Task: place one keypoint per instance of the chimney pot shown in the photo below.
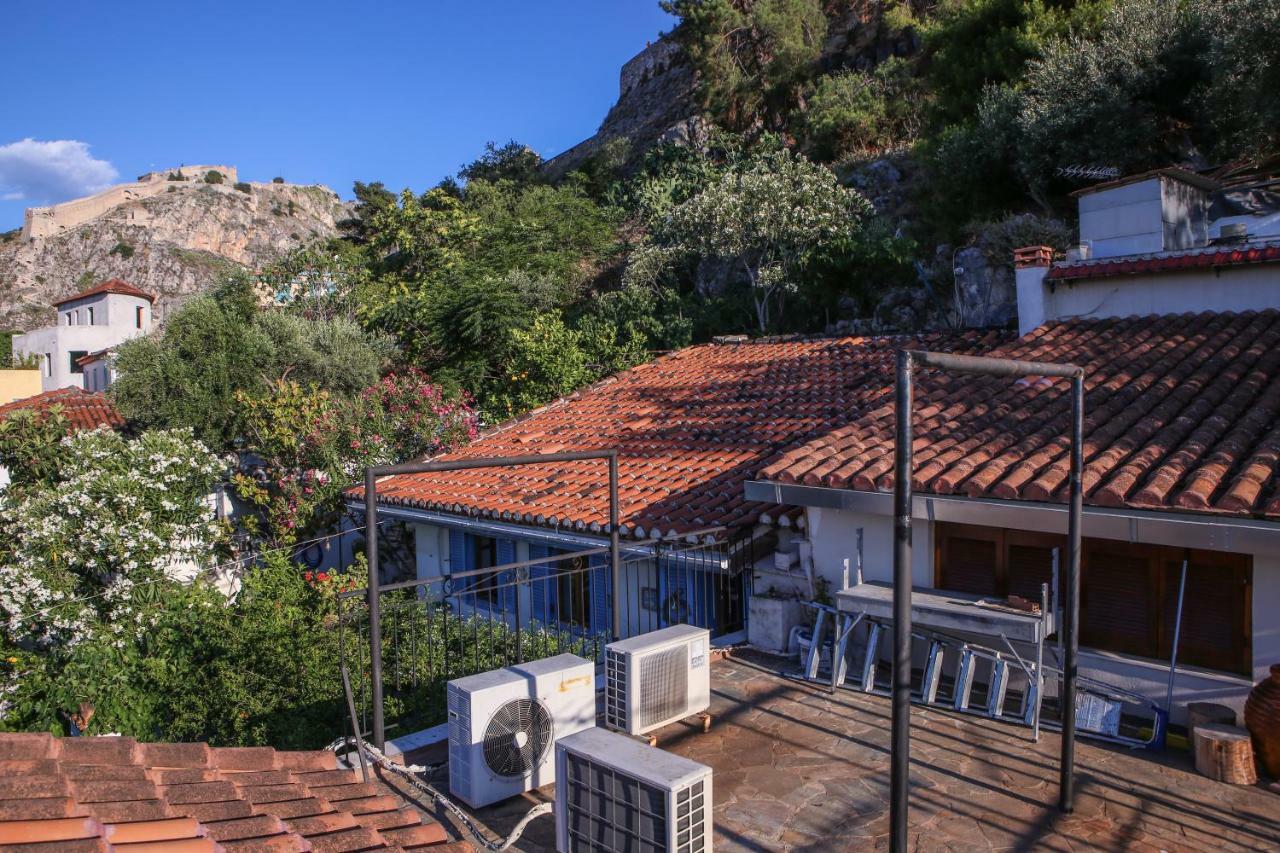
(1032, 256)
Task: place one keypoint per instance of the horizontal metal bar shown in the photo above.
(634, 548)
(490, 462)
(1182, 530)
(993, 366)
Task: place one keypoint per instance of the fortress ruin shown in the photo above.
(49, 221)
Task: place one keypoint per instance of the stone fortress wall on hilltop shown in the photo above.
(47, 221)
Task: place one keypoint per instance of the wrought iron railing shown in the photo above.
(444, 627)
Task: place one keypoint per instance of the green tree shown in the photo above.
(513, 162)
(765, 220)
(863, 112)
(187, 375)
(972, 44)
(752, 57)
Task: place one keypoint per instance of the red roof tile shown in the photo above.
(1212, 256)
(690, 428)
(1182, 413)
(83, 409)
(90, 793)
(113, 285)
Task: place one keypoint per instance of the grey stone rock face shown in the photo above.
(175, 244)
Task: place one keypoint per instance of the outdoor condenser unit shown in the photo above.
(503, 724)
(657, 678)
(614, 793)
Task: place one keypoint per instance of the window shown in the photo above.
(485, 586)
(573, 592)
(90, 313)
(137, 317)
(73, 359)
(1128, 591)
(70, 318)
(48, 364)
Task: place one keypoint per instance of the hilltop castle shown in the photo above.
(48, 221)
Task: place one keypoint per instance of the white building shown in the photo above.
(89, 322)
(1172, 312)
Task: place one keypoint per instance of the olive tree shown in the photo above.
(767, 218)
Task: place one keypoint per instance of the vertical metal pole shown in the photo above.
(519, 592)
(355, 724)
(1066, 792)
(900, 737)
(614, 549)
(1177, 634)
(375, 624)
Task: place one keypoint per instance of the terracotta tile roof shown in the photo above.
(108, 793)
(1187, 259)
(690, 427)
(1181, 413)
(86, 360)
(113, 285)
(83, 409)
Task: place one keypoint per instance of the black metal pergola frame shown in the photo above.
(375, 587)
(900, 738)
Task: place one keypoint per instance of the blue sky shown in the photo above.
(318, 91)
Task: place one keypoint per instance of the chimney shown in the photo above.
(1030, 266)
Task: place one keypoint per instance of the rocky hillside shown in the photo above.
(174, 244)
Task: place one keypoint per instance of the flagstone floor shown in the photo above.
(798, 769)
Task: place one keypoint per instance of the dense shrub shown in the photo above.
(213, 176)
(241, 186)
(861, 113)
(187, 375)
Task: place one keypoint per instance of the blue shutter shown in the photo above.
(675, 600)
(460, 558)
(540, 586)
(601, 595)
(506, 553)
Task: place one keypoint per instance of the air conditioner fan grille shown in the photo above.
(517, 738)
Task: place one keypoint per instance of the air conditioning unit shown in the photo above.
(657, 678)
(614, 793)
(503, 724)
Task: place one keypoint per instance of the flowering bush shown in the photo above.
(310, 445)
(117, 514)
(89, 561)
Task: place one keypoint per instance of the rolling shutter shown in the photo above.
(970, 563)
(1028, 564)
(1215, 613)
(1117, 592)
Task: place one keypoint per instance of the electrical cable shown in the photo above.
(411, 773)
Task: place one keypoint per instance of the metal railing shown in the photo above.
(439, 628)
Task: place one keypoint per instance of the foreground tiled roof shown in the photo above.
(690, 427)
(103, 793)
(1187, 259)
(82, 409)
(1181, 413)
(113, 285)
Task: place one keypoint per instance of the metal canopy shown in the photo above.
(371, 476)
(900, 739)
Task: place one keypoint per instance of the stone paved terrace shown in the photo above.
(797, 769)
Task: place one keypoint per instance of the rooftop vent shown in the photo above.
(1233, 232)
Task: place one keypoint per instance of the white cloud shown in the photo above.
(46, 172)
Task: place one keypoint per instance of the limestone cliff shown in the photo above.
(174, 244)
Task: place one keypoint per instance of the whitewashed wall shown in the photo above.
(834, 536)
